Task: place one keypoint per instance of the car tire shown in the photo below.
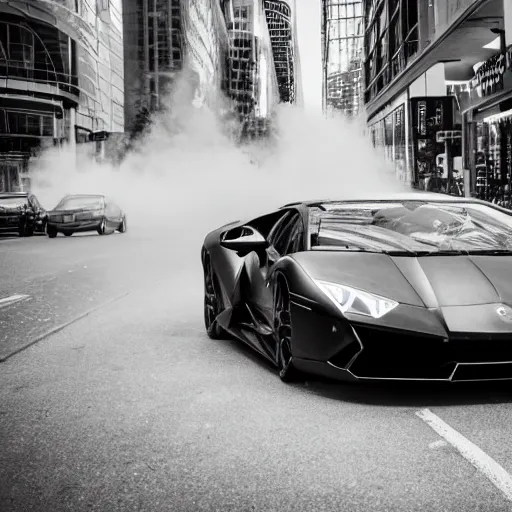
(69, 233)
(52, 233)
(122, 227)
(213, 303)
(283, 333)
(102, 228)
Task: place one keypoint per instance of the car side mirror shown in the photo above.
(243, 239)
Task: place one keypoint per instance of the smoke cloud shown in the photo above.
(187, 176)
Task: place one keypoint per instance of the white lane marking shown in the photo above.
(472, 453)
(8, 301)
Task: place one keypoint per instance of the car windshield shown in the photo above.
(412, 227)
(71, 203)
(12, 202)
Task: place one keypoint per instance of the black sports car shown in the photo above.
(85, 212)
(21, 213)
(416, 286)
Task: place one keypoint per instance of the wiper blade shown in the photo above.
(466, 252)
(490, 251)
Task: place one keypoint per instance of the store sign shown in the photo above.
(490, 75)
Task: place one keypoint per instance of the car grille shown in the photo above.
(485, 371)
(401, 355)
(10, 220)
(395, 354)
(480, 350)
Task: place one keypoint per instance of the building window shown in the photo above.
(391, 41)
(29, 124)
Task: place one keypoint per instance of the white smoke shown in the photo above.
(188, 176)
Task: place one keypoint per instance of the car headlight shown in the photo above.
(352, 300)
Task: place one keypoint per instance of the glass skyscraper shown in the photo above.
(343, 55)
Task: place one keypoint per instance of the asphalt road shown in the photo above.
(132, 408)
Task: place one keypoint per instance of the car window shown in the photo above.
(278, 228)
(284, 233)
(267, 223)
(71, 202)
(296, 238)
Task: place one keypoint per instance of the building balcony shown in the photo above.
(14, 75)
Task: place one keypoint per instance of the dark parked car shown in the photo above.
(21, 212)
(85, 212)
(415, 286)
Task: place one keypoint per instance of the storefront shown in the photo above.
(389, 132)
(488, 130)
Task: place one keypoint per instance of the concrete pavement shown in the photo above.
(133, 408)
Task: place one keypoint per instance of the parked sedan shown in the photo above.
(85, 212)
(21, 212)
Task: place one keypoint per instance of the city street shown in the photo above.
(124, 403)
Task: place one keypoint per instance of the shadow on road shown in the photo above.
(386, 393)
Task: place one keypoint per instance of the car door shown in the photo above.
(260, 296)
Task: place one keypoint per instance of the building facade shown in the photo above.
(343, 55)
(61, 79)
(438, 93)
(247, 49)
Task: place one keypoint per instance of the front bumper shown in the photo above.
(9, 223)
(77, 226)
(346, 350)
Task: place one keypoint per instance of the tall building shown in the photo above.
(438, 92)
(153, 52)
(245, 48)
(343, 55)
(61, 78)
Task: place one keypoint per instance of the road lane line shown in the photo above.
(472, 453)
(13, 299)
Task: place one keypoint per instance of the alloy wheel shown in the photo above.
(212, 303)
(283, 333)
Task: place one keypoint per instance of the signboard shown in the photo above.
(490, 75)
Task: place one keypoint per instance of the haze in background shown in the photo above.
(187, 177)
(309, 19)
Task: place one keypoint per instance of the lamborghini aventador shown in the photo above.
(415, 286)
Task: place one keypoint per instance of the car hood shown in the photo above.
(431, 281)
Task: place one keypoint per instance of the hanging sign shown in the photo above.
(490, 75)
(509, 58)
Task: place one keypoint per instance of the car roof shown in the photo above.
(404, 196)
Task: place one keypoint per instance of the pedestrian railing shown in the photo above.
(63, 81)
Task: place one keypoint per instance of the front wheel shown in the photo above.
(102, 228)
(212, 301)
(122, 227)
(52, 233)
(283, 333)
